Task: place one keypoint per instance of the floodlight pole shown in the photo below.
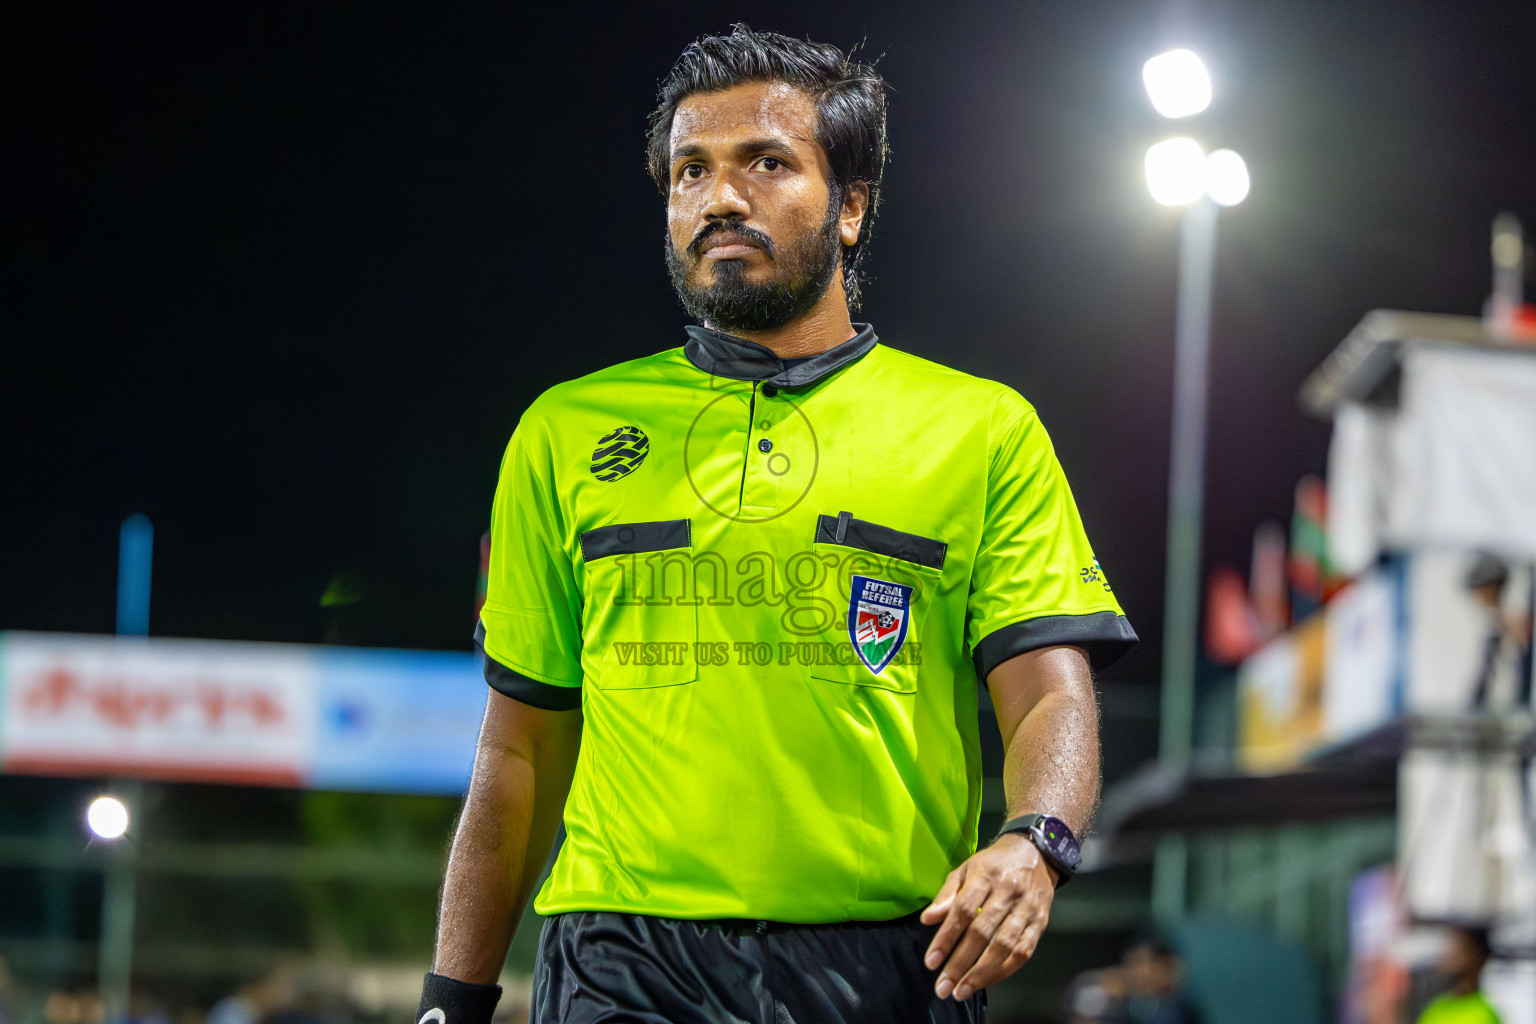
(118, 905)
(1186, 484)
(114, 959)
(1186, 481)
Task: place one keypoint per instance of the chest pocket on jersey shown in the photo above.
(879, 584)
(640, 614)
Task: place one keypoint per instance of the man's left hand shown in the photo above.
(993, 908)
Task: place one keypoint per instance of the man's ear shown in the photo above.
(855, 206)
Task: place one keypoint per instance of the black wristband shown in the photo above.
(447, 1001)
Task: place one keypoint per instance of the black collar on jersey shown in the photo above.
(725, 355)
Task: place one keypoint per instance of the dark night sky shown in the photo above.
(284, 277)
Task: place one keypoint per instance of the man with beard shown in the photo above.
(741, 595)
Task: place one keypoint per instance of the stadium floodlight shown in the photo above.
(107, 817)
(1178, 83)
(1226, 177)
(1176, 171)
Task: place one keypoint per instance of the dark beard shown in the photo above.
(734, 304)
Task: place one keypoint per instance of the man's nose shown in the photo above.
(727, 197)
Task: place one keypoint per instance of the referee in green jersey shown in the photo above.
(741, 595)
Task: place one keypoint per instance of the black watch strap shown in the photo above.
(446, 1000)
(1051, 836)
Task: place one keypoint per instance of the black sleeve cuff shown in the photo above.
(446, 1000)
(511, 683)
(1104, 635)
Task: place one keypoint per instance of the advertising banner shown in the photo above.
(246, 713)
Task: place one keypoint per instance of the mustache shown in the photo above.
(735, 227)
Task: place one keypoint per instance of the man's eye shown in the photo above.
(693, 171)
(771, 164)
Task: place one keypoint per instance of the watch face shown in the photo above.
(1058, 838)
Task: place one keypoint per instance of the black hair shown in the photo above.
(1488, 570)
(1478, 938)
(1154, 941)
(850, 108)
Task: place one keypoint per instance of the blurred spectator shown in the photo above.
(1095, 997)
(144, 1009)
(83, 1007)
(249, 1004)
(1465, 955)
(1509, 634)
(1146, 988)
(322, 998)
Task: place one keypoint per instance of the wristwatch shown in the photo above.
(1052, 838)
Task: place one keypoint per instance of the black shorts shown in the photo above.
(612, 968)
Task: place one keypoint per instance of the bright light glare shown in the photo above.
(1226, 177)
(1176, 171)
(1178, 83)
(108, 817)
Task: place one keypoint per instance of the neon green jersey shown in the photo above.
(771, 592)
(1454, 1009)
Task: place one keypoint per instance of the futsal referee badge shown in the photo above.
(878, 613)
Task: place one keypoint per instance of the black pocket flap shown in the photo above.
(882, 540)
(635, 538)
